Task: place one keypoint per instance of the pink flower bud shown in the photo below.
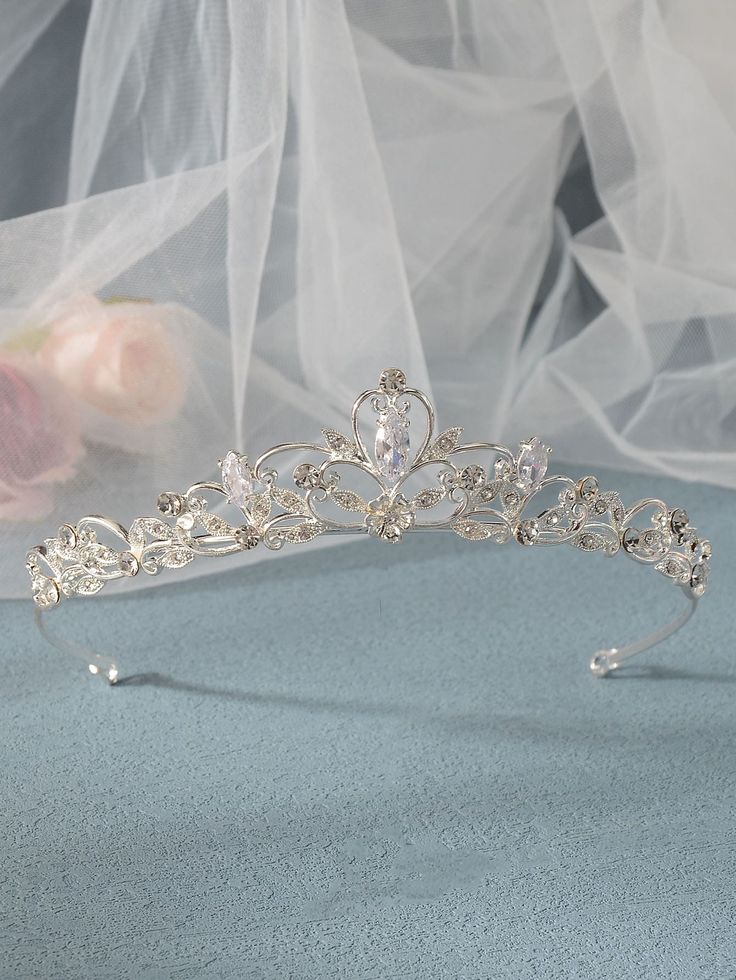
(39, 438)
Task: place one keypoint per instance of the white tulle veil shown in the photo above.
(529, 206)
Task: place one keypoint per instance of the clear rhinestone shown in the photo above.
(195, 505)
(472, 477)
(392, 445)
(237, 478)
(307, 476)
(45, 592)
(699, 577)
(393, 381)
(588, 487)
(527, 532)
(688, 535)
(93, 564)
(532, 464)
(631, 540)
(128, 563)
(487, 493)
(169, 504)
(247, 537)
(67, 536)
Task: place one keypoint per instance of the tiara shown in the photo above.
(452, 491)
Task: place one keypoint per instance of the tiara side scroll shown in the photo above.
(456, 492)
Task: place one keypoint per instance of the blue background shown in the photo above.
(378, 762)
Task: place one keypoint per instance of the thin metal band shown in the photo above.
(601, 664)
(604, 661)
(97, 663)
(498, 502)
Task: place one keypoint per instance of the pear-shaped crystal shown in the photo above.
(237, 478)
(532, 464)
(392, 445)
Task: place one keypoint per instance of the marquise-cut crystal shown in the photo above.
(392, 445)
(532, 464)
(237, 479)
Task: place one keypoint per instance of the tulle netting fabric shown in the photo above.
(527, 206)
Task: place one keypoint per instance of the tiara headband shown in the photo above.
(452, 492)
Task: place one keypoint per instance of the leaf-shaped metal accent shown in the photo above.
(54, 555)
(76, 580)
(472, 530)
(97, 558)
(175, 557)
(674, 565)
(486, 493)
(300, 533)
(60, 550)
(289, 501)
(589, 541)
(215, 525)
(350, 501)
(510, 499)
(553, 518)
(100, 554)
(148, 525)
(646, 542)
(443, 444)
(339, 444)
(610, 501)
(259, 508)
(428, 497)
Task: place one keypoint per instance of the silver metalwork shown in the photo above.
(496, 502)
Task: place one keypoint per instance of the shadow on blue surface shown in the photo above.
(371, 765)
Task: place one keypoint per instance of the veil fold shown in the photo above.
(528, 207)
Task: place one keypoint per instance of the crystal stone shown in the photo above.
(472, 477)
(237, 478)
(67, 536)
(128, 563)
(392, 445)
(169, 504)
(699, 575)
(393, 381)
(45, 592)
(532, 464)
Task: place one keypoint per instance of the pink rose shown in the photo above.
(39, 438)
(118, 357)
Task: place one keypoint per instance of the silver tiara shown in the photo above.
(436, 483)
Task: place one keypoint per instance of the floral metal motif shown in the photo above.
(488, 493)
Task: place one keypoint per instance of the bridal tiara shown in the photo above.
(453, 491)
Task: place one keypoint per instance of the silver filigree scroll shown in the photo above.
(422, 481)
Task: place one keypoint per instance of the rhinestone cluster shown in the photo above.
(495, 502)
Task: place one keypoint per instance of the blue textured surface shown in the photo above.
(374, 764)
